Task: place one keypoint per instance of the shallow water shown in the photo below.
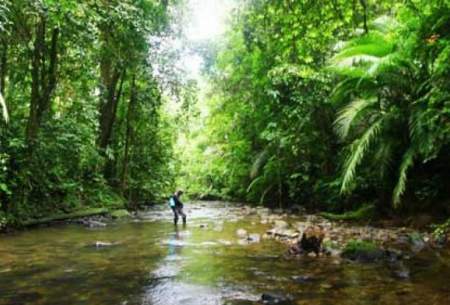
(156, 263)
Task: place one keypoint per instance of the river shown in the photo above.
(150, 261)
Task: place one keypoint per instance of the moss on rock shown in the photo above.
(117, 214)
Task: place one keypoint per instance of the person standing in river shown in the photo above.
(177, 206)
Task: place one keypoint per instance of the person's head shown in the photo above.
(178, 193)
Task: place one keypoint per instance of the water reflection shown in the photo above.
(168, 287)
(175, 244)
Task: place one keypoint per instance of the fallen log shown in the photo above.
(66, 216)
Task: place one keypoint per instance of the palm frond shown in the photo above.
(346, 116)
(358, 151)
(254, 182)
(384, 24)
(383, 155)
(407, 162)
(344, 90)
(373, 45)
(259, 163)
(365, 56)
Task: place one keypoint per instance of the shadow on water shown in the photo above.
(152, 262)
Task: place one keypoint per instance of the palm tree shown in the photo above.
(383, 91)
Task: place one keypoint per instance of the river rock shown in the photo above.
(311, 241)
(118, 214)
(103, 244)
(416, 241)
(262, 211)
(276, 298)
(94, 224)
(277, 211)
(297, 209)
(225, 242)
(283, 233)
(254, 238)
(242, 233)
(281, 224)
(366, 252)
(402, 274)
(274, 217)
(364, 256)
(303, 279)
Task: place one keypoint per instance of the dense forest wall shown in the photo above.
(331, 104)
(82, 124)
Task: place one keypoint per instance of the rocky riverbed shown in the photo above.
(227, 254)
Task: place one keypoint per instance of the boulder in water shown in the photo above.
(416, 241)
(118, 214)
(362, 251)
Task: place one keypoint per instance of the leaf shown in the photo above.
(348, 115)
(407, 162)
(359, 149)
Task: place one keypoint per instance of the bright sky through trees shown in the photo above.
(207, 21)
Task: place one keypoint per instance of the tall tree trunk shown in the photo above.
(33, 121)
(128, 134)
(43, 81)
(108, 109)
(3, 66)
(364, 5)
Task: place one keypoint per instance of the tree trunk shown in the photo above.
(128, 134)
(109, 108)
(43, 81)
(3, 67)
(364, 5)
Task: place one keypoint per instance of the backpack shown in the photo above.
(172, 202)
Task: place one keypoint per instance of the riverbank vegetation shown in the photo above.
(331, 104)
(82, 123)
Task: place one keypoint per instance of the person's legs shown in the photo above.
(175, 215)
(180, 212)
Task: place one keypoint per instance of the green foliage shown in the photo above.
(442, 230)
(355, 247)
(385, 111)
(365, 212)
(55, 59)
(325, 113)
(120, 214)
(310, 102)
